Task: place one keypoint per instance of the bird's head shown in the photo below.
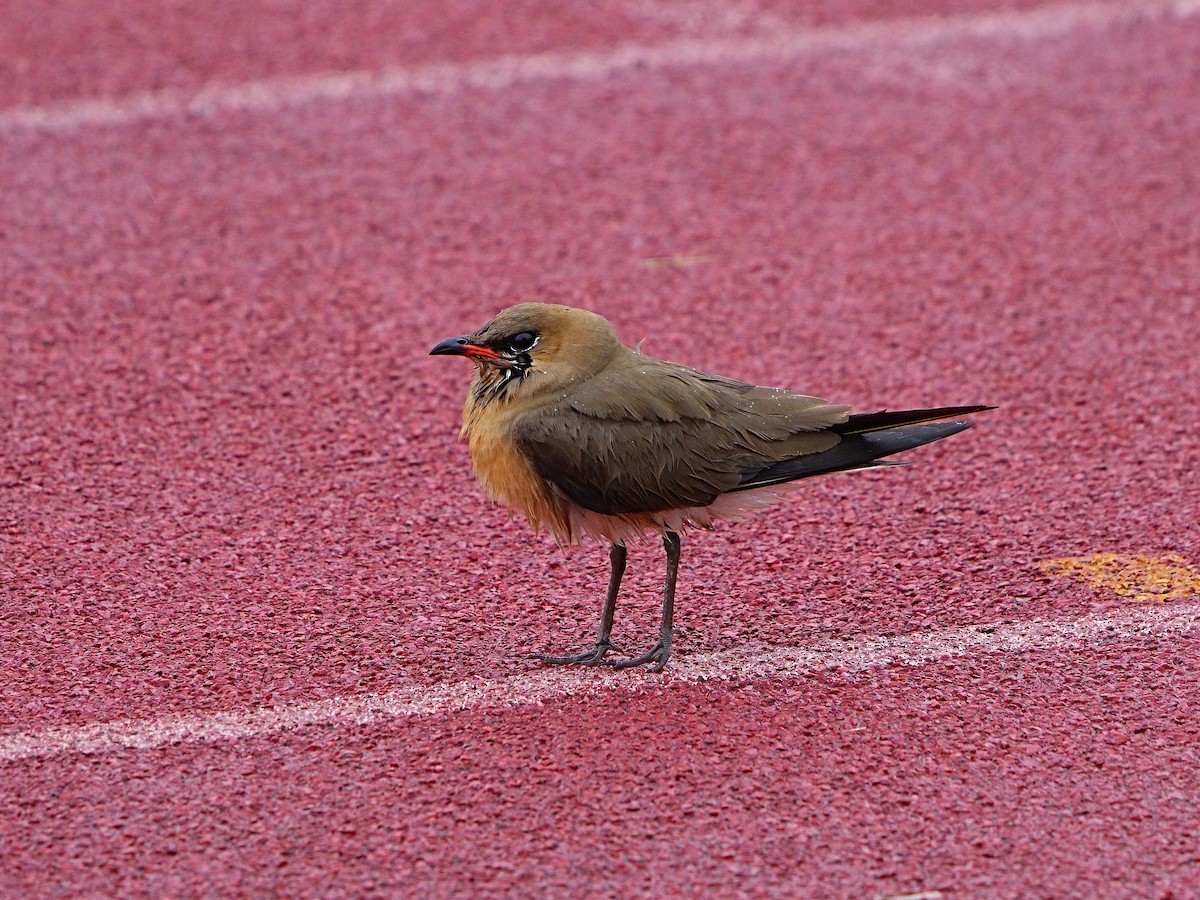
(533, 348)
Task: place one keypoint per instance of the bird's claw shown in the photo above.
(658, 655)
(593, 657)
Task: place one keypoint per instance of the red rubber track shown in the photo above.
(71, 49)
(1044, 776)
(229, 476)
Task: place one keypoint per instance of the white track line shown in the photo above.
(496, 74)
(552, 684)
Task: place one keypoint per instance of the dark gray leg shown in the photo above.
(593, 657)
(660, 652)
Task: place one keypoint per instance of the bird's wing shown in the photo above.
(647, 435)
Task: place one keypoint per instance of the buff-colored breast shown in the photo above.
(506, 474)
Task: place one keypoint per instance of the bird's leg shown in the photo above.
(660, 652)
(593, 657)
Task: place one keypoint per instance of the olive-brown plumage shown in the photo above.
(586, 436)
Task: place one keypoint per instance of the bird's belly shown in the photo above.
(619, 528)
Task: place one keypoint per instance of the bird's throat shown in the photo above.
(493, 382)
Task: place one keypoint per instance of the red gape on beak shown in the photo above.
(459, 346)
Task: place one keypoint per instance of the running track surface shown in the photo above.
(263, 635)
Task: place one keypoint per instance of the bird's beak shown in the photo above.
(460, 346)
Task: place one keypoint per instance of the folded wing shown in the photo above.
(648, 435)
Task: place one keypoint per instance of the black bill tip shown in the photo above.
(454, 346)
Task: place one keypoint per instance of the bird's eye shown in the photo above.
(522, 341)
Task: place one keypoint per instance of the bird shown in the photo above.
(588, 437)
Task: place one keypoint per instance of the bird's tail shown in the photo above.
(866, 439)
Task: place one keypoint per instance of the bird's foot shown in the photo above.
(593, 657)
(657, 655)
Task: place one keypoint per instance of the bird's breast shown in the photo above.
(506, 473)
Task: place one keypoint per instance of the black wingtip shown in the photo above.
(861, 423)
(856, 451)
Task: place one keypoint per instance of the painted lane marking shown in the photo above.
(1130, 575)
(588, 65)
(545, 685)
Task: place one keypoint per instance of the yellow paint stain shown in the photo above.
(1128, 575)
